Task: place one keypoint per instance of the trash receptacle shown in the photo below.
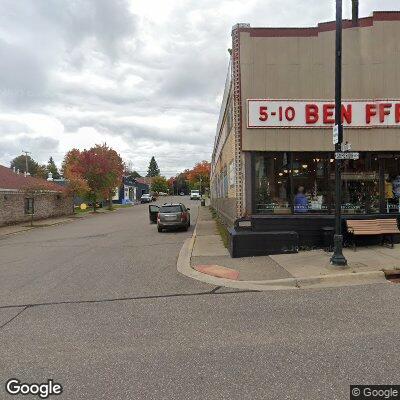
(203, 202)
(327, 235)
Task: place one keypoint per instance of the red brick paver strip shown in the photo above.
(218, 271)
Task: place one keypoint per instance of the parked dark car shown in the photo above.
(171, 215)
(153, 213)
(146, 198)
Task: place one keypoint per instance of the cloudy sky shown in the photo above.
(145, 76)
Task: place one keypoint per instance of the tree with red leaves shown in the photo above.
(77, 185)
(172, 185)
(199, 176)
(98, 171)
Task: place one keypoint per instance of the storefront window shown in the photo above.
(232, 173)
(311, 187)
(305, 183)
(391, 175)
(272, 189)
(225, 182)
(360, 185)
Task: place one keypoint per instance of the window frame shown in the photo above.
(29, 205)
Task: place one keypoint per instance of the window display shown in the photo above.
(312, 192)
(305, 183)
(360, 185)
(391, 168)
(272, 190)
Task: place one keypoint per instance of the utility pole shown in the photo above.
(26, 160)
(355, 12)
(338, 257)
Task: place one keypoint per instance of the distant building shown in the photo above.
(131, 190)
(143, 186)
(23, 195)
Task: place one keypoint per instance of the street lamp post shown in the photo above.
(338, 257)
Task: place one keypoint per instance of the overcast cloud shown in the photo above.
(145, 76)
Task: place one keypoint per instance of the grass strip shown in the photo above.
(222, 230)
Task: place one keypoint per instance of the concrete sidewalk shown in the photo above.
(306, 268)
(209, 250)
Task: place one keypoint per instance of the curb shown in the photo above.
(184, 267)
(321, 281)
(4, 235)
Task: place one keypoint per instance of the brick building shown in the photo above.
(273, 157)
(21, 195)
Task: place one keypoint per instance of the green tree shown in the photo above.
(129, 171)
(20, 163)
(159, 184)
(135, 174)
(52, 167)
(41, 172)
(153, 169)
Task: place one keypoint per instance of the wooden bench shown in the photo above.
(363, 227)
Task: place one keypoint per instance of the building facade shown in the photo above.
(131, 190)
(273, 157)
(23, 198)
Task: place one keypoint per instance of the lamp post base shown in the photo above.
(338, 258)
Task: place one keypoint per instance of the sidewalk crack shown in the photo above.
(215, 289)
(117, 299)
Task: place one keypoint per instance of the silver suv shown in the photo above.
(173, 215)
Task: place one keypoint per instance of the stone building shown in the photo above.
(21, 196)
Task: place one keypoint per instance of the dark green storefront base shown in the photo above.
(281, 234)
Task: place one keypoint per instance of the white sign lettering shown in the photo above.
(347, 156)
(335, 134)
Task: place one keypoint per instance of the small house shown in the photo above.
(130, 191)
(23, 197)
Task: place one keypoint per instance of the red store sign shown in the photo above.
(321, 113)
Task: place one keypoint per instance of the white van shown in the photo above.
(195, 195)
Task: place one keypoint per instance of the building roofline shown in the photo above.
(321, 27)
(10, 180)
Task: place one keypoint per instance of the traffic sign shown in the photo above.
(335, 132)
(353, 155)
(345, 146)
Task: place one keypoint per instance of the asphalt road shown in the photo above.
(98, 306)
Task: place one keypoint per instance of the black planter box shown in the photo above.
(245, 243)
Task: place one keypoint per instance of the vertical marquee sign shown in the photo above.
(321, 113)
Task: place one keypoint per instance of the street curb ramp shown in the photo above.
(320, 281)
